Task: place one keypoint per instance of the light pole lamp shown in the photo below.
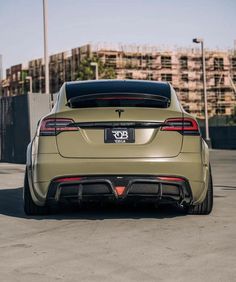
(31, 83)
(96, 69)
(201, 41)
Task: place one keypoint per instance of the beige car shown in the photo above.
(118, 140)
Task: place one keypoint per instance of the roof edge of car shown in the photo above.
(115, 80)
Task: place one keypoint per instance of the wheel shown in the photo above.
(30, 207)
(206, 206)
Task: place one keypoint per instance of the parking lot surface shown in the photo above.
(120, 243)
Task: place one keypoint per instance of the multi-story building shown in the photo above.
(15, 82)
(182, 67)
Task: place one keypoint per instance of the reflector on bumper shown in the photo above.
(120, 190)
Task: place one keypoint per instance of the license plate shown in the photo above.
(119, 135)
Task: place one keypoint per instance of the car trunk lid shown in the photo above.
(148, 140)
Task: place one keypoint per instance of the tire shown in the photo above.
(206, 206)
(30, 207)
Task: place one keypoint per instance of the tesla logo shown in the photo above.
(119, 111)
(120, 134)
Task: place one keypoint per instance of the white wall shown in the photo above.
(39, 106)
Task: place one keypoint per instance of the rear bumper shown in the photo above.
(120, 188)
(47, 167)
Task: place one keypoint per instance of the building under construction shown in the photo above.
(181, 67)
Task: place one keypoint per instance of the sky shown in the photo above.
(72, 23)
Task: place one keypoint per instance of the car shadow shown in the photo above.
(11, 204)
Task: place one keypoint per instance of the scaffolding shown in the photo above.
(182, 67)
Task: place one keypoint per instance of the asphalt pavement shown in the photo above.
(120, 243)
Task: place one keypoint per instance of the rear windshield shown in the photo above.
(118, 94)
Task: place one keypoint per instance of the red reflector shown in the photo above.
(174, 179)
(68, 179)
(120, 190)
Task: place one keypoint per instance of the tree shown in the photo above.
(86, 71)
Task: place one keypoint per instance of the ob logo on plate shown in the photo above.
(120, 134)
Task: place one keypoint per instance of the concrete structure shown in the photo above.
(181, 67)
(19, 116)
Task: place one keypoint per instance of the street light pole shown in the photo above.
(45, 33)
(205, 92)
(96, 69)
(200, 40)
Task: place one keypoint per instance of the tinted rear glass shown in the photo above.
(118, 94)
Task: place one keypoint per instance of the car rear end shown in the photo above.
(119, 141)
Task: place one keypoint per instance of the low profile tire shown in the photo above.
(206, 206)
(30, 207)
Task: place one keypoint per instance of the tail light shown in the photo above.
(171, 179)
(53, 126)
(68, 179)
(186, 126)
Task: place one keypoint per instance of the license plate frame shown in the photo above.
(119, 135)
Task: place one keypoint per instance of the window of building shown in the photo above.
(220, 93)
(148, 57)
(186, 108)
(184, 77)
(128, 57)
(234, 78)
(110, 58)
(148, 61)
(166, 77)
(166, 62)
(129, 75)
(184, 62)
(220, 109)
(233, 61)
(219, 79)
(185, 91)
(218, 63)
(150, 76)
(183, 94)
